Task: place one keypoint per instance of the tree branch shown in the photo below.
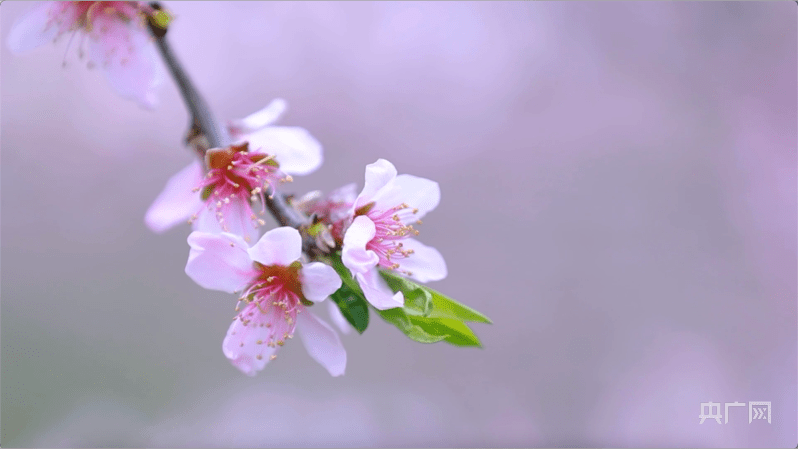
(204, 125)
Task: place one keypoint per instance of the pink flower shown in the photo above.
(334, 210)
(380, 234)
(221, 200)
(118, 41)
(277, 290)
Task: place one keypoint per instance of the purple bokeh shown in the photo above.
(618, 195)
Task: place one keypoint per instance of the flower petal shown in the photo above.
(297, 152)
(177, 202)
(338, 318)
(258, 120)
(344, 194)
(35, 28)
(354, 254)
(241, 345)
(322, 343)
(426, 263)
(280, 246)
(420, 193)
(219, 261)
(377, 291)
(236, 221)
(318, 281)
(378, 176)
(127, 55)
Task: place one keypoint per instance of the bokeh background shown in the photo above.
(619, 196)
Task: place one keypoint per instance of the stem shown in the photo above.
(204, 124)
(201, 114)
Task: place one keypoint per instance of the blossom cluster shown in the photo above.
(367, 252)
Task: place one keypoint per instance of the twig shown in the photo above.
(205, 125)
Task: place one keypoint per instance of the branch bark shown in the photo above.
(204, 125)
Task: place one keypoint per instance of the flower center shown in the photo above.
(274, 299)
(390, 230)
(237, 177)
(97, 19)
(71, 16)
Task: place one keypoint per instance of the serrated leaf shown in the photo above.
(459, 333)
(353, 308)
(441, 305)
(399, 318)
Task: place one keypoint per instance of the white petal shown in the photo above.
(260, 119)
(319, 281)
(377, 291)
(322, 342)
(128, 57)
(419, 193)
(378, 176)
(241, 348)
(344, 194)
(177, 202)
(236, 221)
(297, 152)
(426, 263)
(280, 246)
(344, 198)
(338, 318)
(33, 29)
(219, 261)
(354, 254)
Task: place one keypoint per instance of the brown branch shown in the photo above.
(206, 132)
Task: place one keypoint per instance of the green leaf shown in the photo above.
(427, 316)
(353, 308)
(346, 276)
(399, 318)
(445, 307)
(418, 301)
(441, 305)
(459, 334)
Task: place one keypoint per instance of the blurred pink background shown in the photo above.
(619, 196)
